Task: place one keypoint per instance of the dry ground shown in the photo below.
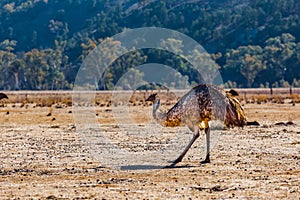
(44, 157)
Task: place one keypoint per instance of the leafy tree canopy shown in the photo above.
(253, 43)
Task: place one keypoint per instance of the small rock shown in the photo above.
(254, 123)
(280, 124)
(289, 123)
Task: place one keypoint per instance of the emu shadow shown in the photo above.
(153, 167)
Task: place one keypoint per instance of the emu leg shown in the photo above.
(179, 159)
(207, 133)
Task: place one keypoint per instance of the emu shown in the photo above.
(195, 109)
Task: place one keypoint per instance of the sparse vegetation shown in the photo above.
(137, 98)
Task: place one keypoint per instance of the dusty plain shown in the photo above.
(44, 157)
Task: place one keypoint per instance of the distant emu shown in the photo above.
(195, 109)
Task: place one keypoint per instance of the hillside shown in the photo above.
(69, 29)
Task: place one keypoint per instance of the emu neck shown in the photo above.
(155, 108)
(157, 115)
(156, 105)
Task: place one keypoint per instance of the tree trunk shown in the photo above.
(16, 75)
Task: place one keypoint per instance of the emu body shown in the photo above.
(195, 109)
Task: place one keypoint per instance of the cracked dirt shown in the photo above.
(44, 157)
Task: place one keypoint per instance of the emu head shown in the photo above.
(152, 98)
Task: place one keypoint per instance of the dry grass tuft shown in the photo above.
(295, 98)
(261, 98)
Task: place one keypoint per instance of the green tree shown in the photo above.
(130, 79)
(8, 45)
(247, 60)
(126, 63)
(54, 76)
(16, 68)
(6, 59)
(277, 52)
(42, 71)
(206, 65)
(34, 73)
(172, 45)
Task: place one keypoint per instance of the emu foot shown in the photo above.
(170, 166)
(207, 160)
(173, 163)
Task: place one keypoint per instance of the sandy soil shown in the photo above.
(45, 157)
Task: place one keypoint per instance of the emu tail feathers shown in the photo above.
(235, 115)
